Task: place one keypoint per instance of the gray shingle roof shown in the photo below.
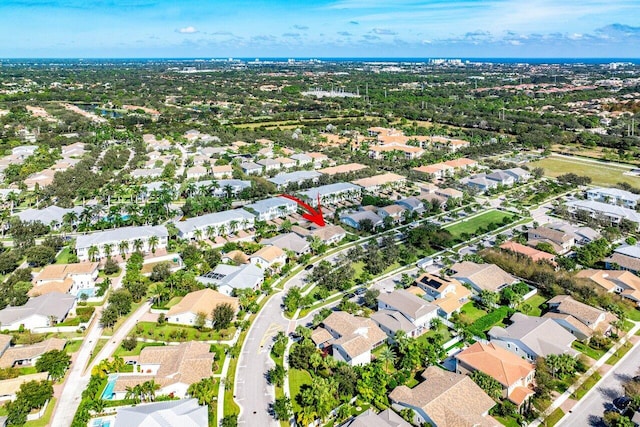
(273, 202)
(46, 215)
(298, 176)
(52, 304)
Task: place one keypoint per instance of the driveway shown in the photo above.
(589, 411)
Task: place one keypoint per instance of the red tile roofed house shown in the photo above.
(513, 372)
(445, 399)
(534, 254)
(374, 183)
(462, 163)
(410, 152)
(450, 144)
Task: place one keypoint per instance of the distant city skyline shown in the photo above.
(319, 28)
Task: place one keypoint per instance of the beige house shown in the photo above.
(482, 277)
(580, 319)
(27, 355)
(268, 257)
(621, 282)
(203, 301)
(65, 278)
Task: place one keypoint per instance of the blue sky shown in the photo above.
(319, 28)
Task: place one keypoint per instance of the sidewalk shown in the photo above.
(567, 394)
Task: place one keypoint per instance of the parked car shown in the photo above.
(309, 267)
(361, 291)
(621, 403)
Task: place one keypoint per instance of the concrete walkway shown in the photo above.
(594, 368)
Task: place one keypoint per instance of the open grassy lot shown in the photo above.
(599, 172)
(138, 348)
(472, 225)
(535, 302)
(63, 257)
(553, 418)
(469, 313)
(297, 378)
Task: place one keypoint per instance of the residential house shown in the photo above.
(302, 159)
(377, 182)
(329, 234)
(145, 238)
(274, 207)
(462, 163)
(412, 204)
(146, 173)
(269, 164)
(622, 282)
(449, 193)
(502, 178)
(282, 180)
(183, 413)
(28, 354)
(340, 169)
(480, 182)
(10, 387)
(332, 193)
(286, 163)
(174, 368)
(215, 224)
(386, 418)
(533, 254)
(614, 196)
(445, 399)
(408, 151)
(65, 278)
(580, 319)
(224, 187)
(514, 374)
(221, 172)
(448, 294)
(289, 242)
(229, 278)
(416, 310)
(269, 257)
(624, 257)
(251, 168)
(318, 159)
(482, 277)
(196, 172)
(395, 212)
(532, 337)
(350, 338)
(354, 219)
(519, 174)
(612, 214)
(39, 312)
(40, 179)
(199, 302)
(450, 144)
(52, 216)
(581, 235)
(235, 257)
(559, 240)
(436, 171)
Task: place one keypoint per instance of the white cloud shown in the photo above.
(187, 30)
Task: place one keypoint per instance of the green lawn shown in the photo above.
(28, 370)
(535, 302)
(101, 343)
(600, 173)
(618, 354)
(593, 353)
(297, 378)
(472, 225)
(633, 314)
(553, 418)
(63, 258)
(120, 351)
(168, 332)
(73, 346)
(586, 386)
(442, 330)
(507, 421)
(219, 350)
(469, 313)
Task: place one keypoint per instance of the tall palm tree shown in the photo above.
(153, 243)
(387, 355)
(138, 244)
(233, 226)
(197, 234)
(70, 218)
(108, 248)
(123, 246)
(93, 252)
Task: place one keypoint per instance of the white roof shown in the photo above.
(592, 205)
(323, 190)
(120, 234)
(203, 221)
(52, 304)
(267, 204)
(46, 215)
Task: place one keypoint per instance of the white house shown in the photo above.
(126, 239)
(215, 224)
(39, 312)
(274, 207)
(203, 301)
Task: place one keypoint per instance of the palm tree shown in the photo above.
(233, 226)
(123, 246)
(197, 234)
(108, 248)
(138, 244)
(387, 355)
(70, 218)
(149, 389)
(153, 243)
(211, 232)
(93, 252)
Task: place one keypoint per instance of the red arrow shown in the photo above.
(313, 215)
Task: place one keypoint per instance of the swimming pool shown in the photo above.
(108, 394)
(101, 423)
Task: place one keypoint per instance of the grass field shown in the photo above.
(297, 378)
(600, 173)
(535, 302)
(168, 332)
(553, 418)
(469, 313)
(586, 386)
(63, 257)
(472, 225)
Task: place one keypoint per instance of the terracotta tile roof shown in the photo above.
(349, 167)
(449, 399)
(269, 253)
(502, 365)
(461, 162)
(356, 334)
(62, 271)
(383, 179)
(532, 253)
(54, 286)
(520, 394)
(202, 301)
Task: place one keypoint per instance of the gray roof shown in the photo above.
(499, 176)
(632, 251)
(46, 215)
(172, 413)
(414, 202)
(361, 215)
(237, 277)
(264, 205)
(517, 172)
(298, 176)
(120, 234)
(157, 186)
(323, 190)
(301, 157)
(616, 193)
(250, 166)
(618, 211)
(407, 303)
(236, 184)
(393, 321)
(290, 241)
(542, 335)
(52, 304)
(268, 162)
(200, 222)
(369, 418)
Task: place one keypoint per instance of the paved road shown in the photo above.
(78, 378)
(588, 412)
